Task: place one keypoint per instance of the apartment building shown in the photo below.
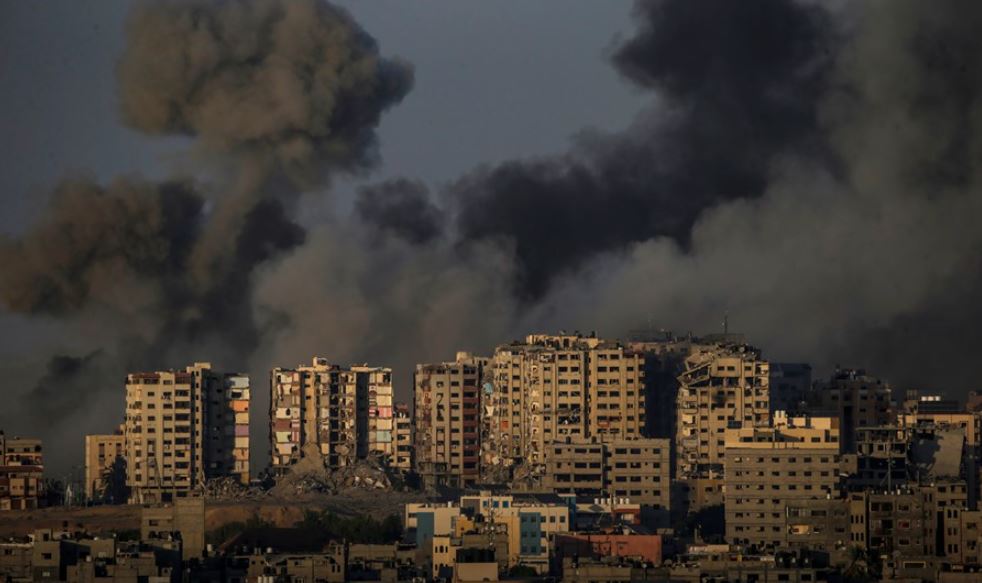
(857, 399)
(447, 409)
(770, 468)
(548, 388)
(635, 469)
(914, 521)
(342, 413)
(722, 386)
(21, 472)
(183, 428)
(402, 436)
(105, 464)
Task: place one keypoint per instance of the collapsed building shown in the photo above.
(346, 412)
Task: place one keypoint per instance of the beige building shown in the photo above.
(548, 388)
(344, 413)
(183, 428)
(105, 455)
(402, 437)
(447, 410)
(722, 386)
(635, 469)
(769, 469)
(21, 472)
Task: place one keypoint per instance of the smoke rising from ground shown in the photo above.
(813, 173)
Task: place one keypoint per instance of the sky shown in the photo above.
(254, 182)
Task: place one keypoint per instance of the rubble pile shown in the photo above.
(310, 476)
(229, 488)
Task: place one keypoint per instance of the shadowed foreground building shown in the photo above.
(21, 469)
(769, 469)
(105, 464)
(183, 428)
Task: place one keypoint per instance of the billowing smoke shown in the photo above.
(735, 86)
(286, 88)
(810, 168)
(275, 97)
(402, 208)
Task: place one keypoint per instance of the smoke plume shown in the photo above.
(810, 168)
(402, 208)
(275, 97)
(736, 86)
(293, 89)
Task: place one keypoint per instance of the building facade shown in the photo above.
(105, 460)
(722, 386)
(21, 472)
(857, 399)
(183, 428)
(341, 413)
(635, 469)
(447, 409)
(769, 469)
(402, 436)
(548, 388)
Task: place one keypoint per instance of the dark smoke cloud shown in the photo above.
(95, 240)
(736, 85)
(403, 208)
(291, 87)
(65, 386)
(278, 95)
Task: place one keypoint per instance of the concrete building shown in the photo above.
(344, 413)
(635, 469)
(789, 386)
(105, 464)
(447, 408)
(548, 388)
(402, 437)
(21, 472)
(723, 386)
(183, 428)
(768, 469)
(184, 517)
(857, 399)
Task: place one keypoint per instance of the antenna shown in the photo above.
(726, 323)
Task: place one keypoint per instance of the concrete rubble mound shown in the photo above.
(311, 476)
(229, 488)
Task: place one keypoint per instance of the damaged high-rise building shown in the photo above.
(447, 409)
(183, 428)
(343, 413)
(549, 388)
(722, 386)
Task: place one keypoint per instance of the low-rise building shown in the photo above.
(21, 472)
(637, 469)
(105, 467)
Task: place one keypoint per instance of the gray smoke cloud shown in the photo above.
(276, 97)
(866, 256)
(293, 89)
(402, 208)
(808, 168)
